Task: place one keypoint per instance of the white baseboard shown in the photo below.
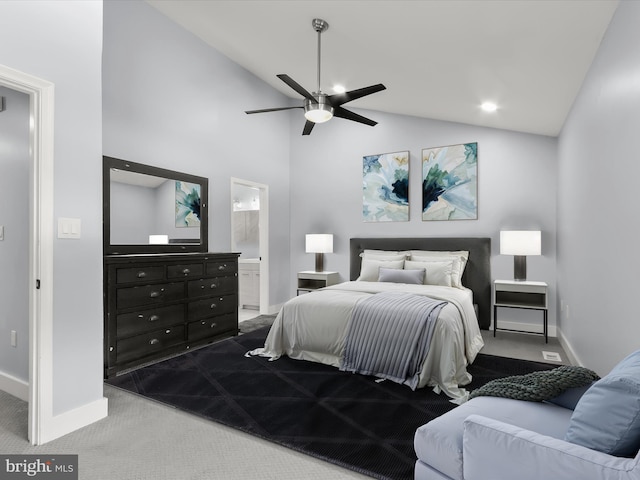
(571, 354)
(14, 386)
(527, 327)
(75, 419)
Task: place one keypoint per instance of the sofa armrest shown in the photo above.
(496, 450)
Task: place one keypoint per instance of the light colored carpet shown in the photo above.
(144, 440)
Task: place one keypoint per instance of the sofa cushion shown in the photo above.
(607, 417)
(439, 442)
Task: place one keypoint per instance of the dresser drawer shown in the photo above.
(139, 274)
(212, 286)
(211, 327)
(185, 270)
(149, 343)
(212, 306)
(149, 295)
(221, 268)
(139, 322)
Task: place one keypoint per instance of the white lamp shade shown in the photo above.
(520, 242)
(158, 239)
(319, 243)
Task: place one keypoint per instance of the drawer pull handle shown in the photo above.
(186, 271)
(222, 267)
(154, 318)
(154, 341)
(213, 325)
(142, 274)
(213, 285)
(155, 294)
(167, 331)
(213, 305)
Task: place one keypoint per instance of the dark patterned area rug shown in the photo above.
(350, 420)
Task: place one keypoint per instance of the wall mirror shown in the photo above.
(152, 210)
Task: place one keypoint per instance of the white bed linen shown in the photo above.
(313, 327)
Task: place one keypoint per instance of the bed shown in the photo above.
(318, 326)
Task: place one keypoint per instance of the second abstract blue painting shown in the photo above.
(450, 182)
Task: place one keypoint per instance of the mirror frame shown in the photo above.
(124, 249)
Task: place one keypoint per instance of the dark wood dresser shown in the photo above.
(158, 305)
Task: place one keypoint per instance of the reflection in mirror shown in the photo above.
(149, 209)
(153, 210)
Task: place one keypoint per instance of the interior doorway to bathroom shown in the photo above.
(250, 237)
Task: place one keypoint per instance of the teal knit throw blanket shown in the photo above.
(537, 386)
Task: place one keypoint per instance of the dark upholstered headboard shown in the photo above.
(477, 274)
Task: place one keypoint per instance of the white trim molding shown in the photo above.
(14, 386)
(43, 425)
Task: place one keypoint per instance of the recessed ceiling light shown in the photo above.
(339, 89)
(489, 107)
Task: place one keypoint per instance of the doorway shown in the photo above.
(250, 237)
(40, 244)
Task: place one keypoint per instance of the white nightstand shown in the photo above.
(525, 294)
(311, 280)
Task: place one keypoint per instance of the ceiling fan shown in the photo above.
(320, 107)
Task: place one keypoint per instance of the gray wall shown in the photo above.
(14, 249)
(597, 203)
(171, 101)
(516, 190)
(67, 52)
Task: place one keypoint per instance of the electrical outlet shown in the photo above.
(14, 338)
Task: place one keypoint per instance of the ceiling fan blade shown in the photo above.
(340, 98)
(308, 126)
(297, 87)
(264, 110)
(349, 115)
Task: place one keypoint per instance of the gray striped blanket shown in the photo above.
(389, 336)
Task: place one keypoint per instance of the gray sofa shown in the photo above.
(591, 433)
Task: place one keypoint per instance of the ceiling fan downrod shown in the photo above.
(319, 26)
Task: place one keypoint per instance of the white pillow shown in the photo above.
(438, 272)
(384, 255)
(369, 271)
(460, 258)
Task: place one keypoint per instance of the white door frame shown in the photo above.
(41, 231)
(263, 235)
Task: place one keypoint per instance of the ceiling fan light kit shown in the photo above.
(320, 107)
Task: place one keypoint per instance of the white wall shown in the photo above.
(597, 201)
(516, 189)
(171, 101)
(14, 250)
(61, 42)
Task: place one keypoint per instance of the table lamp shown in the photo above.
(319, 243)
(520, 243)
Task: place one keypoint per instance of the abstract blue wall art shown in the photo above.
(385, 187)
(450, 182)
(187, 204)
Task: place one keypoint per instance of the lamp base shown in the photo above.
(520, 268)
(319, 262)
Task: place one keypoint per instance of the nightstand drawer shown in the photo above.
(521, 299)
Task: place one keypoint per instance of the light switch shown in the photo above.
(1, 232)
(69, 227)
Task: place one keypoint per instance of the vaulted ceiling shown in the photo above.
(439, 59)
